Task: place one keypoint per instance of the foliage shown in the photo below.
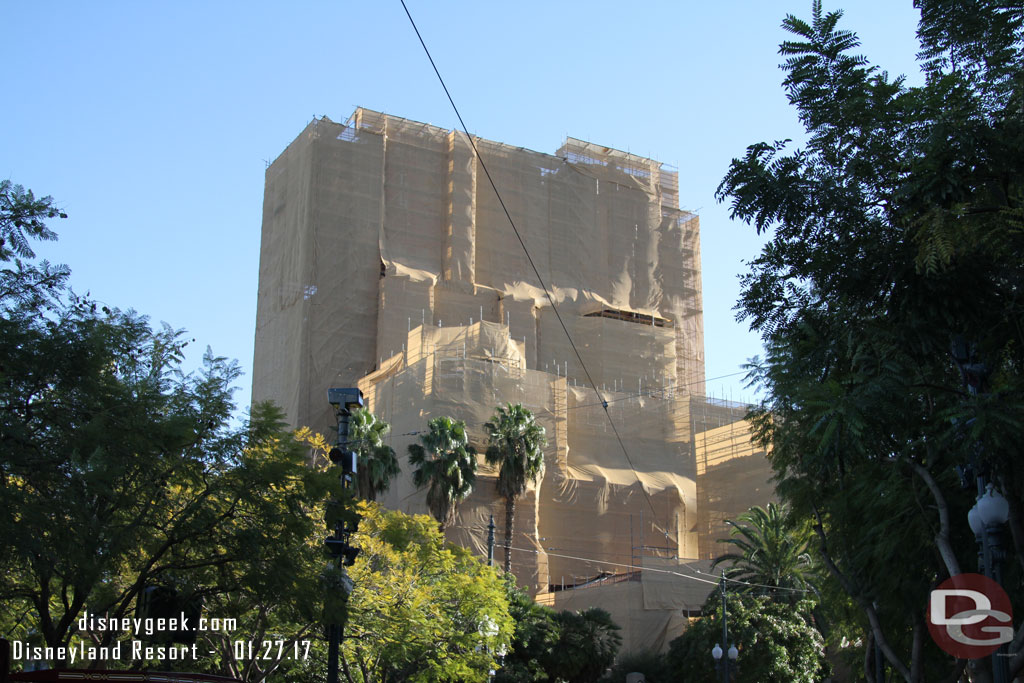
(420, 610)
(276, 594)
(769, 551)
(534, 641)
(378, 464)
(560, 647)
(776, 643)
(652, 665)
(119, 471)
(23, 216)
(446, 464)
(516, 445)
(896, 230)
(176, 498)
(588, 641)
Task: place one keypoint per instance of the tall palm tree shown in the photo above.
(516, 444)
(446, 463)
(378, 464)
(769, 551)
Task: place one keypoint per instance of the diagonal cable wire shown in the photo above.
(533, 265)
(701, 579)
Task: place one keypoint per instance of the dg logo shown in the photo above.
(970, 616)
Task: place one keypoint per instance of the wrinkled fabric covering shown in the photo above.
(387, 262)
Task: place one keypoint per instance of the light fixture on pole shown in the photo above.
(722, 664)
(986, 520)
(993, 509)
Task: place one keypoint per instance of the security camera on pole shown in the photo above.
(343, 521)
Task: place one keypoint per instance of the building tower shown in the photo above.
(387, 262)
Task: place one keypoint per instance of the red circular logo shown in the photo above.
(969, 616)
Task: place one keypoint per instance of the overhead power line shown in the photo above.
(544, 286)
(700, 579)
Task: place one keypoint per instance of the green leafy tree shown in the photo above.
(420, 610)
(22, 217)
(769, 551)
(776, 643)
(516, 445)
(653, 665)
(534, 640)
(446, 464)
(378, 464)
(588, 641)
(276, 596)
(560, 647)
(894, 231)
(120, 472)
(24, 284)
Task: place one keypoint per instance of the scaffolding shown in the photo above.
(388, 262)
(733, 473)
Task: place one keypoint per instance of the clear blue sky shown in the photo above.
(151, 123)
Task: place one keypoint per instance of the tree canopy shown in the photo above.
(894, 237)
(769, 551)
(776, 643)
(420, 609)
(445, 464)
(121, 472)
(378, 464)
(558, 647)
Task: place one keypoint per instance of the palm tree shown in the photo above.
(769, 551)
(378, 464)
(447, 464)
(516, 445)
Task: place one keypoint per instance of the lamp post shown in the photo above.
(490, 542)
(722, 663)
(991, 510)
(986, 519)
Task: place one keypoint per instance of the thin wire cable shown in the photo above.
(667, 571)
(629, 397)
(533, 265)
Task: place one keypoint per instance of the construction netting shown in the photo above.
(732, 472)
(388, 262)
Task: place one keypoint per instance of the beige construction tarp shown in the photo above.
(387, 262)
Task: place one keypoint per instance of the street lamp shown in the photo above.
(986, 519)
(717, 651)
(991, 510)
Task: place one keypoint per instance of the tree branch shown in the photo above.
(869, 610)
(942, 535)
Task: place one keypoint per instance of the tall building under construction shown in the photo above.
(389, 263)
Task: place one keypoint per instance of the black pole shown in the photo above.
(332, 653)
(725, 635)
(975, 373)
(344, 401)
(490, 542)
